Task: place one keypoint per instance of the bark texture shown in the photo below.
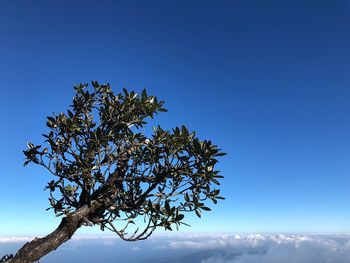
(34, 250)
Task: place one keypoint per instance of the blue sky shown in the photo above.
(268, 81)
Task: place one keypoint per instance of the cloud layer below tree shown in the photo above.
(201, 248)
(272, 248)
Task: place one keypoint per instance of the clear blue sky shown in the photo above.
(268, 81)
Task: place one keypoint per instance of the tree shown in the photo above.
(107, 172)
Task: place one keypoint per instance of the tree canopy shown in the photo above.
(99, 148)
(108, 171)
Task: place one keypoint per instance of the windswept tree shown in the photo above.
(109, 171)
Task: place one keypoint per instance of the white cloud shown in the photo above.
(10, 239)
(284, 248)
(264, 248)
(225, 248)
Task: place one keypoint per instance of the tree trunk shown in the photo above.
(39, 247)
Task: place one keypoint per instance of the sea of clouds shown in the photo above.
(199, 248)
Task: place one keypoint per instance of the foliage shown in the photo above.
(99, 149)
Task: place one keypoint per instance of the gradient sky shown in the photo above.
(268, 81)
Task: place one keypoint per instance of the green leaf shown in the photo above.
(167, 207)
(179, 217)
(30, 145)
(186, 197)
(195, 200)
(53, 120)
(70, 114)
(220, 154)
(196, 144)
(144, 94)
(215, 181)
(125, 92)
